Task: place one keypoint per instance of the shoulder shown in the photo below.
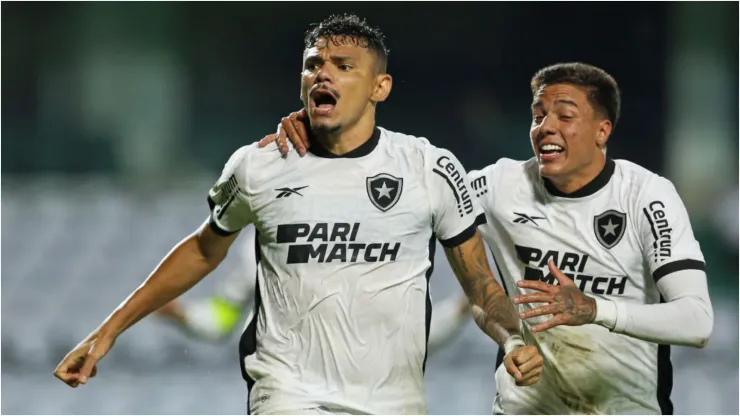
(258, 164)
(639, 184)
(406, 143)
(252, 154)
(505, 170)
(420, 151)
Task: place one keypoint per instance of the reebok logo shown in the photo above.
(286, 192)
(524, 218)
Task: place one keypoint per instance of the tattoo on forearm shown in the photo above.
(493, 311)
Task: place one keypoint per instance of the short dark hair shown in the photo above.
(603, 91)
(350, 25)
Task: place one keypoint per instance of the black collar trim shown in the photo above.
(363, 150)
(590, 188)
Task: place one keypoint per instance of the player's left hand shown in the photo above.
(568, 305)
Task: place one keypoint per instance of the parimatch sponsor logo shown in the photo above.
(572, 265)
(332, 243)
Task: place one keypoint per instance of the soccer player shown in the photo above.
(217, 316)
(598, 252)
(345, 235)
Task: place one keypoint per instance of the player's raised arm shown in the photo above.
(455, 225)
(187, 263)
(677, 267)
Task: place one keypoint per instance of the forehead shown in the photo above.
(338, 45)
(558, 92)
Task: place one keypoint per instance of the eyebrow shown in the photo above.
(538, 104)
(566, 102)
(341, 58)
(333, 58)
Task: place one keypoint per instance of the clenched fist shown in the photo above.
(524, 364)
(80, 364)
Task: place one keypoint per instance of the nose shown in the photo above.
(548, 126)
(324, 75)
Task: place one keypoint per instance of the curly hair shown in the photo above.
(349, 28)
(603, 91)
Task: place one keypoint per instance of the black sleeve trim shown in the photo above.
(677, 266)
(218, 230)
(480, 220)
(464, 236)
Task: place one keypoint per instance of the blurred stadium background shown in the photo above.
(117, 117)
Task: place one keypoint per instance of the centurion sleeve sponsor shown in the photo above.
(453, 206)
(667, 238)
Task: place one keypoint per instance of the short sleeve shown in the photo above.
(454, 208)
(230, 211)
(668, 241)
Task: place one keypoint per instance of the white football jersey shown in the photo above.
(615, 238)
(345, 246)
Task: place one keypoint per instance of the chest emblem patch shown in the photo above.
(609, 227)
(384, 190)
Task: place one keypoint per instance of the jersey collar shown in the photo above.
(590, 188)
(363, 150)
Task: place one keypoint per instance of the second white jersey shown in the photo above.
(615, 238)
(345, 247)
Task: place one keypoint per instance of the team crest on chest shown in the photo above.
(609, 227)
(384, 190)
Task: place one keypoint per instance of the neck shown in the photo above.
(572, 182)
(350, 138)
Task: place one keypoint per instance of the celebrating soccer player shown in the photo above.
(346, 237)
(598, 252)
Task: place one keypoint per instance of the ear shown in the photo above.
(602, 135)
(382, 88)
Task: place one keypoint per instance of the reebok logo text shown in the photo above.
(286, 192)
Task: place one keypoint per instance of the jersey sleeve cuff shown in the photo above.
(212, 222)
(480, 219)
(218, 229)
(464, 236)
(607, 313)
(677, 266)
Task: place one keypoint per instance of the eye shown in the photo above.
(538, 118)
(345, 67)
(566, 118)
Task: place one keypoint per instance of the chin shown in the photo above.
(548, 170)
(324, 127)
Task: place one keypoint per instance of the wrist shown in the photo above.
(513, 342)
(606, 313)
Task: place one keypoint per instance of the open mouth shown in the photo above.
(550, 151)
(323, 101)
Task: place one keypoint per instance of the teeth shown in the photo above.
(551, 148)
